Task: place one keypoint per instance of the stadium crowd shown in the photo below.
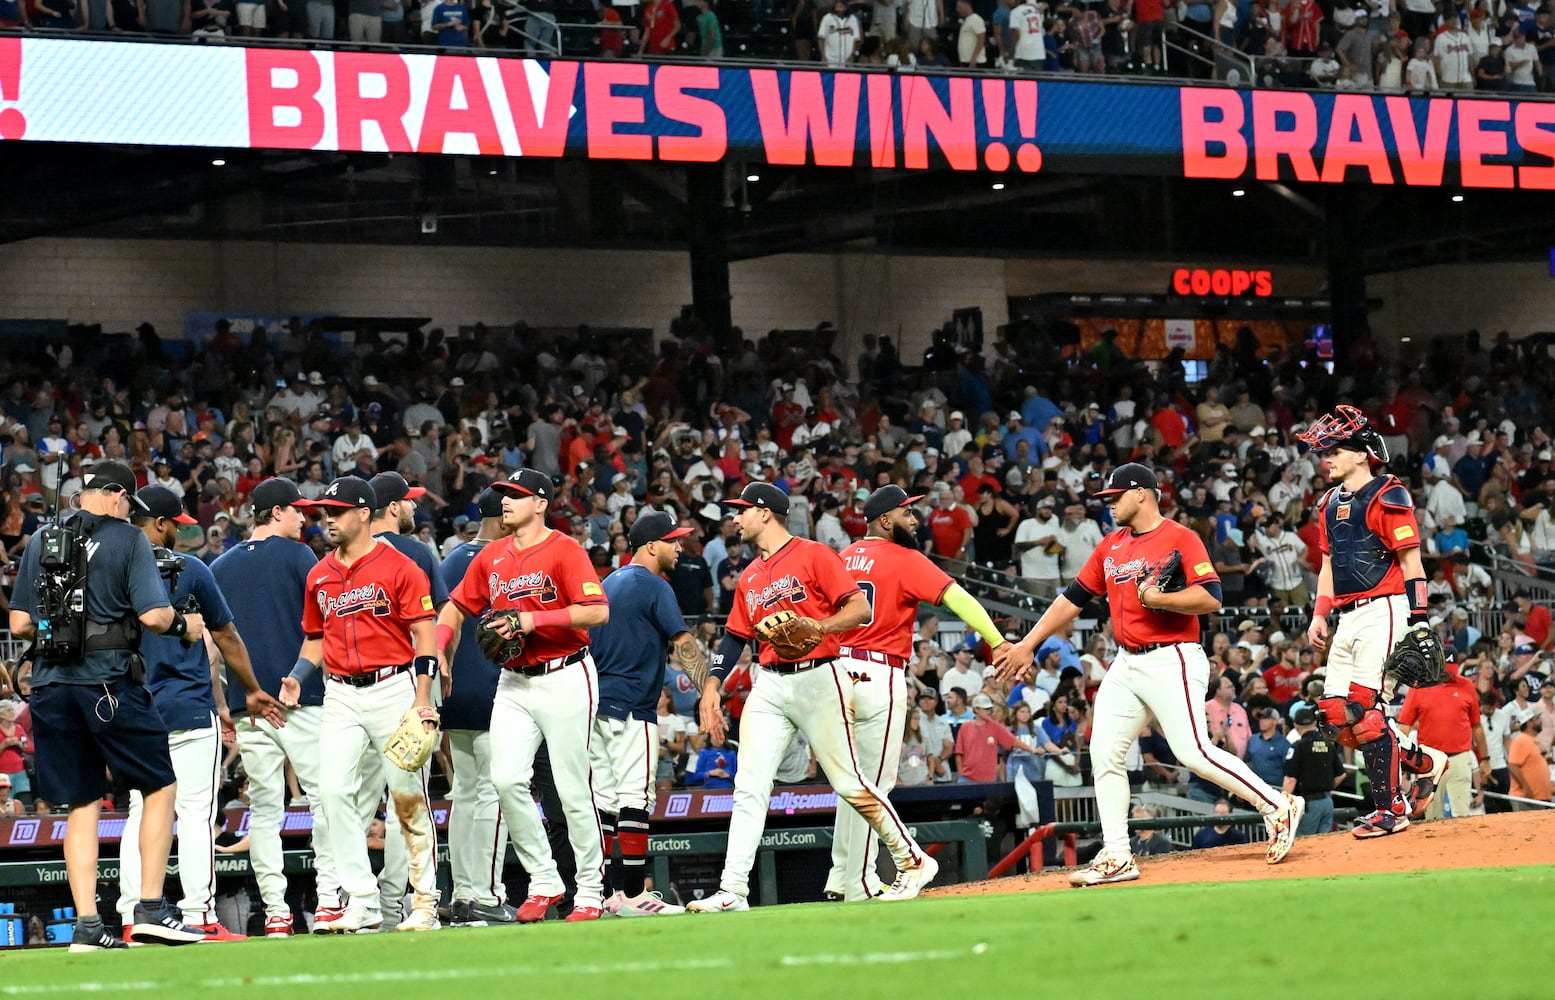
(1416, 45)
(1006, 446)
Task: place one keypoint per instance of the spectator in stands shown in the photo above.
(1148, 843)
(1268, 748)
(1523, 69)
(979, 742)
(971, 37)
(1526, 765)
(1218, 834)
(716, 764)
(957, 711)
(8, 805)
(15, 746)
(938, 739)
(1281, 556)
(964, 673)
(916, 765)
(709, 33)
(450, 21)
(1227, 720)
(923, 20)
(839, 35)
(1354, 49)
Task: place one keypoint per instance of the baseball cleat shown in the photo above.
(478, 914)
(160, 925)
(214, 931)
(535, 908)
(722, 901)
(96, 938)
(327, 918)
(1425, 786)
(581, 913)
(1282, 828)
(612, 903)
(649, 904)
(420, 920)
(1104, 871)
(831, 896)
(1380, 823)
(911, 881)
(278, 927)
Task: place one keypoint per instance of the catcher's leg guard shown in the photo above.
(1379, 748)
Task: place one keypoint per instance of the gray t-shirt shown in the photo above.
(122, 583)
(546, 456)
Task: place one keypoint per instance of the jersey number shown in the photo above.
(869, 592)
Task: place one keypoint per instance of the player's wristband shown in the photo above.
(444, 635)
(1417, 592)
(180, 626)
(302, 669)
(560, 618)
(1324, 606)
(424, 666)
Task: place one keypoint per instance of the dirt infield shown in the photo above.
(1505, 840)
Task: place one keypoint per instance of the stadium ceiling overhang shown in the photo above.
(235, 97)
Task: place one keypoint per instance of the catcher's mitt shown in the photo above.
(791, 636)
(495, 648)
(1166, 574)
(412, 743)
(1418, 658)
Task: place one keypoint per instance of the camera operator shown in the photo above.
(90, 710)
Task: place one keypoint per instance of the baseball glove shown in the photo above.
(791, 636)
(1166, 574)
(1418, 658)
(412, 743)
(495, 648)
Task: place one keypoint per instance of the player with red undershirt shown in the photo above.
(1373, 578)
(1161, 668)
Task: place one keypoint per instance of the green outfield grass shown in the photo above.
(1476, 932)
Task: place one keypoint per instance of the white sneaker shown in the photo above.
(1282, 828)
(649, 904)
(420, 920)
(911, 881)
(1104, 871)
(612, 903)
(722, 901)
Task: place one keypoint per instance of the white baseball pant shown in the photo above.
(1168, 683)
(356, 720)
(196, 757)
(1456, 788)
(818, 703)
(558, 709)
(625, 755)
(880, 705)
(1359, 645)
(265, 750)
(477, 831)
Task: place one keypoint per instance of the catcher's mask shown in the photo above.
(1346, 427)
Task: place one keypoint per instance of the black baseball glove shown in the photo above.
(1418, 659)
(497, 649)
(1166, 574)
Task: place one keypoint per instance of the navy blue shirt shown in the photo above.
(122, 584)
(179, 675)
(1267, 757)
(629, 648)
(1208, 837)
(264, 584)
(422, 557)
(468, 705)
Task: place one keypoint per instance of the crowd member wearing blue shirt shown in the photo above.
(451, 20)
(1268, 747)
(264, 581)
(1219, 836)
(716, 765)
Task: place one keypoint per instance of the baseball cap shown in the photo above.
(5, 780)
(982, 701)
(1525, 716)
(1129, 476)
(1257, 432)
(958, 415)
(107, 475)
(391, 486)
(711, 512)
(275, 492)
(490, 503)
(656, 526)
(928, 693)
(159, 501)
(345, 493)
(1305, 717)
(762, 495)
(1246, 625)
(989, 671)
(527, 483)
(887, 498)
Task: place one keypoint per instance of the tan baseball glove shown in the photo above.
(412, 743)
(792, 636)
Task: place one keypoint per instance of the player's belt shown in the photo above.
(1141, 650)
(549, 666)
(872, 656)
(798, 666)
(1361, 602)
(370, 677)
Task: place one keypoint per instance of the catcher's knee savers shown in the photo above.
(1352, 721)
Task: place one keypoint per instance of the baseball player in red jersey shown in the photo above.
(812, 695)
(1372, 576)
(549, 692)
(1160, 670)
(896, 576)
(368, 619)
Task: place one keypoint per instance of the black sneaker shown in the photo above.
(458, 913)
(489, 914)
(162, 925)
(94, 937)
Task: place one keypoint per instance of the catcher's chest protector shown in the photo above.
(1359, 558)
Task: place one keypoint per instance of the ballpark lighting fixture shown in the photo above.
(998, 187)
(752, 178)
(1238, 193)
(1404, 340)
(223, 163)
(1457, 199)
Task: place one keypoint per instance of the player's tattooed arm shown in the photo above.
(691, 658)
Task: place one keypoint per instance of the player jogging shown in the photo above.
(477, 833)
(1160, 670)
(629, 652)
(368, 619)
(544, 595)
(264, 581)
(798, 585)
(896, 576)
(1373, 578)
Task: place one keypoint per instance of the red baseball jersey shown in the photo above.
(802, 576)
(551, 574)
(364, 611)
(1123, 558)
(895, 579)
(947, 528)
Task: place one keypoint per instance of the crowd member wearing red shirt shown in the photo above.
(786, 414)
(1285, 676)
(950, 527)
(979, 743)
(1446, 716)
(1149, 16)
(661, 23)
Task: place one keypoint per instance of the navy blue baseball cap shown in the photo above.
(656, 526)
(159, 501)
(345, 493)
(391, 486)
(275, 492)
(527, 483)
(109, 475)
(1129, 476)
(490, 503)
(887, 498)
(759, 494)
